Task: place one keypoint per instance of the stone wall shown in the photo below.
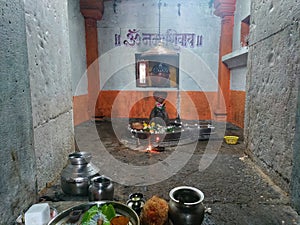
(17, 161)
(50, 80)
(272, 86)
(295, 185)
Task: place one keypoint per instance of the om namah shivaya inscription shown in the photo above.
(135, 38)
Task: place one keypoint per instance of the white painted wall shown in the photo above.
(242, 10)
(77, 49)
(237, 79)
(198, 65)
(238, 75)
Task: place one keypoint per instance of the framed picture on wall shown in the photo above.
(142, 73)
(157, 71)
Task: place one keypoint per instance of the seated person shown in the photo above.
(159, 110)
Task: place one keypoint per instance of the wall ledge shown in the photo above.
(237, 58)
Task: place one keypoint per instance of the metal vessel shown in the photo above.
(185, 206)
(136, 202)
(120, 208)
(101, 188)
(76, 176)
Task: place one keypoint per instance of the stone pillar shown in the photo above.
(92, 10)
(224, 9)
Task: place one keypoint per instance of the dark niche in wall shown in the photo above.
(157, 70)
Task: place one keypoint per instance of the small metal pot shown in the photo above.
(136, 202)
(101, 188)
(75, 178)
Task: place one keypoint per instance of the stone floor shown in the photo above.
(235, 190)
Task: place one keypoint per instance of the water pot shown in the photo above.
(76, 176)
(101, 188)
(185, 206)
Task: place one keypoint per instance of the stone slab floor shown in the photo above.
(235, 190)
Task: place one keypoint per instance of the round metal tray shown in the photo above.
(121, 209)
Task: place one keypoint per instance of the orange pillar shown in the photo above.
(92, 10)
(224, 9)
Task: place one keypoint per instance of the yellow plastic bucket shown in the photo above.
(231, 140)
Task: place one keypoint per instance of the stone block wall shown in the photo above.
(295, 185)
(272, 86)
(17, 161)
(51, 88)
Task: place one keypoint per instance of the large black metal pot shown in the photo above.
(185, 206)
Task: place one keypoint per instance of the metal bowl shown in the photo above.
(121, 209)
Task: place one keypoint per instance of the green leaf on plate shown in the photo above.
(108, 211)
(88, 215)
